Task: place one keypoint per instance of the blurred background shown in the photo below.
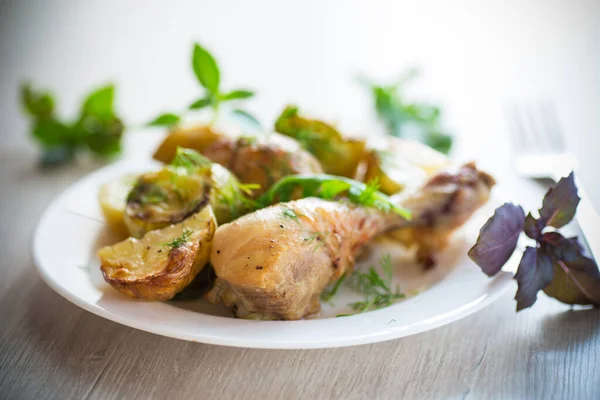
(475, 57)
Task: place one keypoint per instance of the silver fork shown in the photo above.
(541, 152)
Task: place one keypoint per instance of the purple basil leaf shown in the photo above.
(534, 274)
(498, 238)
(533, 227)
(577, 278)
(560, 203)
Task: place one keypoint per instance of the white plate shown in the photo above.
(72, 229)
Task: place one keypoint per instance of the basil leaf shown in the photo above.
(237, 94)
(100, 103)
(247, 119)
(37, 103)
(498, 238)
(576, 277)
(533, 227)
(51, 133)
(206, 69)
(534, 274)
(201, 103)
(560, 203)
(167, 119)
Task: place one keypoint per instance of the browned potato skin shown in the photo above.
(182, 268)
(182, 265)
(197, 137)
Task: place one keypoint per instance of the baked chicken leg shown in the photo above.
(274, 263)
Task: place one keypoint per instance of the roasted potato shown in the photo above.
(166, 197)
(397, 163)
(163, 262)
(113, 199)
(337, 155)
(197, 137)
(172, 194)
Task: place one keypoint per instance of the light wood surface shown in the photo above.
(51, 349)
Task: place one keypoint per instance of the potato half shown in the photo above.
(113, 199)
(163, 262)
(165, 197)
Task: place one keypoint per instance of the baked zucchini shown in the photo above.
(163, 262)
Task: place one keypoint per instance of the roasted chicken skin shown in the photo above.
(274, 263)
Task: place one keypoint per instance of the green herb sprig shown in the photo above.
(374, 286)
(97, 129)
(179, 241)
(206, 70)
(329, 187)
(402, 116)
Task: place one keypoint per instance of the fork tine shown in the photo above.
(525, 131)
(514, 128)
(552, 127)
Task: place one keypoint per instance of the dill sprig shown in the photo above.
(329, 187)
(290, 213)
(375, 287)
(179, 241)
(329, 293)
(191, 160)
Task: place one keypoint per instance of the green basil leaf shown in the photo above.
(37, 103)
(103, 138)
(206, 69)
(99, 103)
(237, 95)
(247, 119)
(201, 103)
(167, 119)
(51, 133)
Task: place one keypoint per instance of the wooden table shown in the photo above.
(50, 348)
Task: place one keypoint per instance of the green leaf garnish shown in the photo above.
(237, 95)
(97, 130)
(201, 103)
(207, 72)
(403, 118)
(189, 159)
(167, 119)
(100, 103)
(206, 69)
(328, 187)
(247, 119)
